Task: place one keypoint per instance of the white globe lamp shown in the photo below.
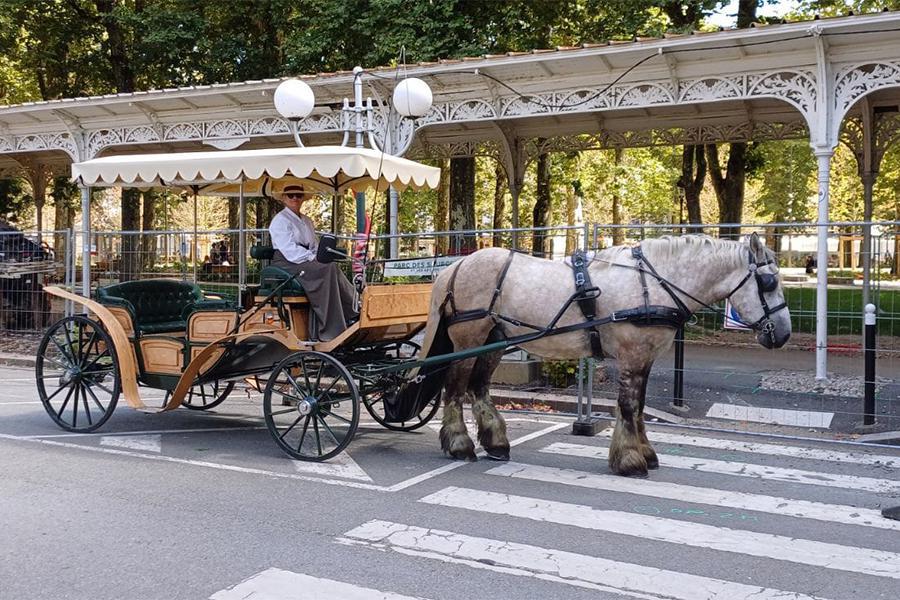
(412, 97)
(294, 99)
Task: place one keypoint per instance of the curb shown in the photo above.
(16, 360)
(569, 403)
(885, 437)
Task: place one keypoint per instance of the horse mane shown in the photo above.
(693, 245)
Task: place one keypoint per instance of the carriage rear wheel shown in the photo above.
(77, 374)
(311, 406)
(205, 396)
(374, 399)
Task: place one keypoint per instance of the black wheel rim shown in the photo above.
(207, 395)
(374, 393)
(77, 374)
(311, 406)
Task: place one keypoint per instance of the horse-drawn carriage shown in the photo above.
(168, 335)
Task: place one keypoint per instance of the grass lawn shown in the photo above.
(845, 311)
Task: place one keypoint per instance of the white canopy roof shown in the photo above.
(329, 168)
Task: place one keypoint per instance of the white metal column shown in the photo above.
(394, 221)
(824, 167)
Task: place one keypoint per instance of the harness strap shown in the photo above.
(638, 254)
(458, 316)
(587, 303)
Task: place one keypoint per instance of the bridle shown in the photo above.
(765, 282)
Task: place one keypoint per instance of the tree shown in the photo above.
(542, 207)
(462, 202)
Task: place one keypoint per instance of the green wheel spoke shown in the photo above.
(339, 417)
(330, 432)
(65, 402)
(303, 434)
(96, 400)
(318, 439)
(282, 412)
(87, 409)
(294, 424)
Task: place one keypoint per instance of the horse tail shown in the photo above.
(428, 382)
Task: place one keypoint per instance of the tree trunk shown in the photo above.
(499, 203)
(131, 224)
(693, 175)
(618, 233)
(442, 210)
(540, 216)
(148, 224)
(61, 201)
(462, 203)
(730, 187)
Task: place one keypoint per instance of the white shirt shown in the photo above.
(294, 236)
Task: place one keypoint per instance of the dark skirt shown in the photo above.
(332, 296)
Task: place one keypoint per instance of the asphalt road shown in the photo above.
(197, 506)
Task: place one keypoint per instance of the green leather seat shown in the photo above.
(271, 277)
(158, 305)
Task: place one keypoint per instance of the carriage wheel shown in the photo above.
(205, 396)
(311, 406)
(374, 400)
(77, 374)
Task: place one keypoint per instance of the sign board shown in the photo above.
(732, 320)
(418, 267)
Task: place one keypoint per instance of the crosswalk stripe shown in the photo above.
(741, 469)
(866, 561)
(278, 584)
(569, 568)
(859, 458)
(776, 416)
(804, 509)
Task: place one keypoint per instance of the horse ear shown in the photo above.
(756, 245)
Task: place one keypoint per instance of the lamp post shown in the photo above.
(412, 98)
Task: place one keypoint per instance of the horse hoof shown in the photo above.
(466, 455)
(501, 454)
(629, 464)
(653, 463)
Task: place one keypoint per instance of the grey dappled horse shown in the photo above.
(533, 290)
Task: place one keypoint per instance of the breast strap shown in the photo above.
(457, 316)
(587, 302)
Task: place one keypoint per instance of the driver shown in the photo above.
(331, 295)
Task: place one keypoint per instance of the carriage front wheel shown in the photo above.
(77, 374)
(311, 406)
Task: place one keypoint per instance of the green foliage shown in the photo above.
(787, 181)
(14, 199)
(560, 373)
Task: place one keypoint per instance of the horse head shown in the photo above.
(759, 297)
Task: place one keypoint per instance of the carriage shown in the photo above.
(169, 335)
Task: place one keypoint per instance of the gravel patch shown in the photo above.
(806, 383)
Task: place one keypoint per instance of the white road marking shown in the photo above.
(278, 584)
(402, 485)
(129, 433)
(703, 465)
(144, 442)
(859, 458)
(471, 428)
(342, 466)
(455, 465)
(865, 561)
(18, 403)
(776, 416)
(547, 564)
(803, 509)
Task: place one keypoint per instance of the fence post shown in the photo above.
(869, 395)
(585, 423)
(678, 398)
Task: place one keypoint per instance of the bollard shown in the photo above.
(678, 399)
(869, 394)
(586, 423)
